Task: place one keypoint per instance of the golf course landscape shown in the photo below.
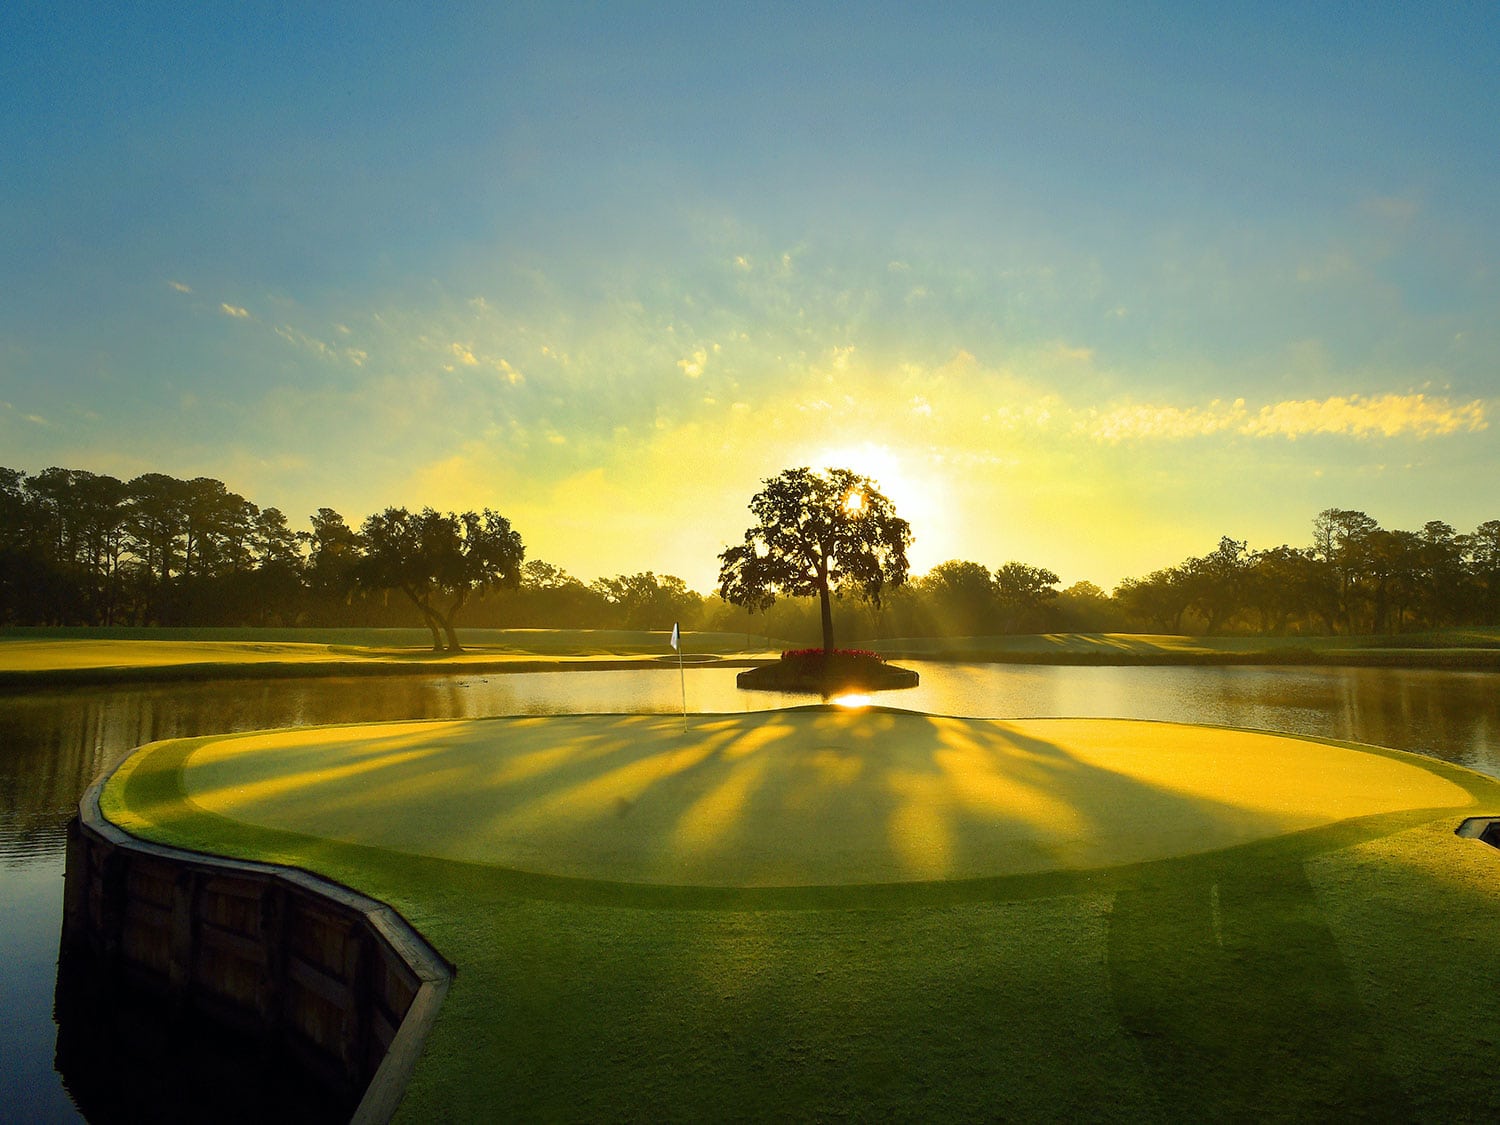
(854, 914)
(66, 656)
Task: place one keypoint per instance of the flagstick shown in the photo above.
(681, 675)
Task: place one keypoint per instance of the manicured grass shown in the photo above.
(41, 655)
(1471, 647)
(1050, 919)
(33, 656)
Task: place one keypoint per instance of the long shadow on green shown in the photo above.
(1240, 1002)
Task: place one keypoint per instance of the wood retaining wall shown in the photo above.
(326, 976)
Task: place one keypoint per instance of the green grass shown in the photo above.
(30, 656)
(1314, 967)
(74, 655)
(1471, 647)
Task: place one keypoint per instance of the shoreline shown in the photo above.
(190, 671)
(203, 672)
(65, 658)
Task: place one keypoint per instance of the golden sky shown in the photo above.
(1086, 293)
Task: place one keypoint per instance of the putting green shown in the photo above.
(810, 797)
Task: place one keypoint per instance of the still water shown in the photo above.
(53, 744)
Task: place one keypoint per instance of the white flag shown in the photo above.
(676, 637)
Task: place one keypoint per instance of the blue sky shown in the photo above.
(1086, 286)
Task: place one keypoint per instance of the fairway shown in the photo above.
(873, 915)
(796, 798)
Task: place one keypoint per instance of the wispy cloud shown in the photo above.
(1363, 416)
(1356, 416)
(1144, 421)
(239, 312)
(179, 287)
(310, 343)
(693, 365)
(34, 419)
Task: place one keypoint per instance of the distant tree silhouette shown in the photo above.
(644, 601)
(1024, 594)
(816, 533)
(1284, 584)
(1341, 542)
(1482, 565)
(438, 560)
(1161, 598)
(1215, 582)
(960, 597)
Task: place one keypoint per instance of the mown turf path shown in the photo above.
(1240, 1001)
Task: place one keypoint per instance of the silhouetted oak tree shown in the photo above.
(439, 560)
(816, 533)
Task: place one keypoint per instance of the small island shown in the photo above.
(819, 533)
(827, 673)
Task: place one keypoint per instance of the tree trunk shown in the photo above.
(827, 607)
(432, 624)
(447, 620)
(453, 645)
(428, 616)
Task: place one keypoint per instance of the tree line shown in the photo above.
(80, 548)
(1355, 577)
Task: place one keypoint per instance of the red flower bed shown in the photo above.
(813, 670)
(807, 655)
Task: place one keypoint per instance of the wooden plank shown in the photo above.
(130, 887)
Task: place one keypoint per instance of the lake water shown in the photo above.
(54, 743)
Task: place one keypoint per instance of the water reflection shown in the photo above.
(53, 743)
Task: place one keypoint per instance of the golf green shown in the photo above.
(796, 798)
(831, 914)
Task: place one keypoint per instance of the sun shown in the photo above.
(883, 466)
(909, 481)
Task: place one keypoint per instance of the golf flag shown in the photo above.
(681, 675)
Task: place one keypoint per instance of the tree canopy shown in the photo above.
(816, 533)
(438, 560)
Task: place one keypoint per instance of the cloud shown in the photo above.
(34, 419)
(239, 312)
(511, 375)
(463, 355)
(693, 365)
(1145, 421)
(1356, 416)
(1361, 416)
(1063, 351)
(316, 346)
(179, 287)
